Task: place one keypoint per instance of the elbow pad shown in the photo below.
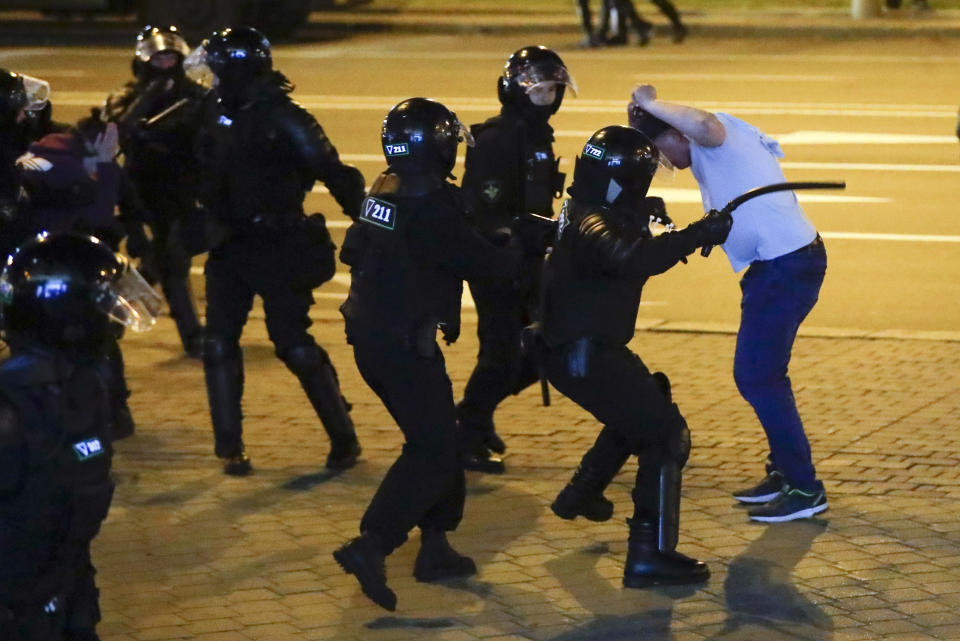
(603, 248)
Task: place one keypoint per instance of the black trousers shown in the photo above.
(246, 267)
(615, 386)
(503, 368)
(171, 260)
(425, 486)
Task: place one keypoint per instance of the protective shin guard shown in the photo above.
(223, 370)
(312, 367)
(668, 526)
(648, 566)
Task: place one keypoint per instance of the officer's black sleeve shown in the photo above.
(320, 157)
(491, 180)
(600, 248)
(441, 236)
(11, 448)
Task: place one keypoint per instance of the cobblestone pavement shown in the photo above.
(188, 553)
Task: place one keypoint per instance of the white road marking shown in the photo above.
(913, 238)
(867, 166)
(489, 105)
(825, 138)
(739, 77)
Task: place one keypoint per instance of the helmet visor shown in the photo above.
(159, 41)
(130, 301)
(196, 66)
(463, 133)
(542, 76)
(37, 93)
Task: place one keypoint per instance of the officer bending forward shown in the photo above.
(409, 252)
(601, 260)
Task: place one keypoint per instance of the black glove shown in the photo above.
(535, 232)
(712, 229)
(451, 331)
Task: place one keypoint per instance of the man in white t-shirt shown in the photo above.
(785, 262)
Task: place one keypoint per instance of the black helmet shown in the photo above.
(19, 92)
(527, 69)
(420, 136)
(63, 289)
(153, 40)
(615, 168)
(237, 57)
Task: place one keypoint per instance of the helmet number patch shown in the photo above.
(593, 151)
(88, 449)
(397, 149)
(379, 212)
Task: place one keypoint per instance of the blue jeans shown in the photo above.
(777, 295)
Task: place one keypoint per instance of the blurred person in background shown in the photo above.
(618, 13)
(158, 115)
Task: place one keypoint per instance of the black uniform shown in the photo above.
(511, 171)
(55, 490)
(409, 252)
(260, 155)
(163, 172)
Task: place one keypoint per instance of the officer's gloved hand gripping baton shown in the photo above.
(760, 191)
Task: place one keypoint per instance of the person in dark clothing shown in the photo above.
(510, 171)
(158, 114)
(590, 38)
(24, 114)
(409, 252)
(260, 154)
(59, 295)
(603, 256)
(626, 12)
(70, 182)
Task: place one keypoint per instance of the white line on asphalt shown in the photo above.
(739, 77)
(825, 138)
(678, 195)
(866, 166)
(913, 238)
(461, 104)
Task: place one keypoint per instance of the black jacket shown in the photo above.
(409, 252)
(260, 159)
(55, 456)
(596, 272)
(510, 171)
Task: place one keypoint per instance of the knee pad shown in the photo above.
(303, 360)
(219, 349)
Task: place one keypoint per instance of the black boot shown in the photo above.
(363, 557)
(647, 565)
(437, 560)
(223, 371)
(313, 368)
(583, 495)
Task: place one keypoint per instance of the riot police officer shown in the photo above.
(59, 295)
(260, 154)
(409, 252)
(158, 115)
(24, 117)
(511, 171)
(602, 258)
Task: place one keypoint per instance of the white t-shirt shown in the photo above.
(765, 227)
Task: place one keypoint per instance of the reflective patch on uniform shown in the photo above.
(379, 212)
(398, 149)
(88, 449)
(30, 162)
(224, 121)
(541, 155)
(593, 151)
(491, 190)
(563, 219)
